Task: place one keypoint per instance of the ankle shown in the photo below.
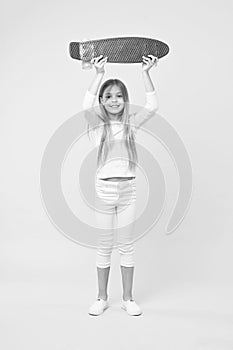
(104, 297)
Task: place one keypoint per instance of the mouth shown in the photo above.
(115, 106)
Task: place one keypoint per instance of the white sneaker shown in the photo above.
(131, 307)
(98, 307)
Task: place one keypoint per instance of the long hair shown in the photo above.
(128, 134)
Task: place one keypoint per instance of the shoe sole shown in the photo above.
(124, 308)
(106, 307)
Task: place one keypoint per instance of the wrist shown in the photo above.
(100, 73)
(150, 92)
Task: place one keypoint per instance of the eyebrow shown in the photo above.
(109, 93)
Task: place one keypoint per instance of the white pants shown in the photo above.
(115, 200)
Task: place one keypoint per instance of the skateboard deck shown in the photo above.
(118, 50)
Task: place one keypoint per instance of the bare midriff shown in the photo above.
(118, 178)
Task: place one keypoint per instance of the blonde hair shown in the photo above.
(128, 133)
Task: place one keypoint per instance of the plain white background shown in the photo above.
(183, 282)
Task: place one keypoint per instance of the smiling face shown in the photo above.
(113, 101)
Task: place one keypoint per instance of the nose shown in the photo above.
(114, 98)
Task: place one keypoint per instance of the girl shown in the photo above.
(115, 180)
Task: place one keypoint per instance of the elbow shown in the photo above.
(88, 101)
(155, 109)
(152, 109)
(152, 106)
(84, 106)
(155, 106)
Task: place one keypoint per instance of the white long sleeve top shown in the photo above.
(117, 161)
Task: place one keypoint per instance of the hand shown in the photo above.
(149, 62)
(99, 63)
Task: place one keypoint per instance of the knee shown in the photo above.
(126, 249)
(127, 261)
(127, 255)
(103, 259)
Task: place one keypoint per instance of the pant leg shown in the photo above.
(105, 199)
(126, 215)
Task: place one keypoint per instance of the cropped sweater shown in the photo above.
(117, 162)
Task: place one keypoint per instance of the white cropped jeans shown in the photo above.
(115, 200)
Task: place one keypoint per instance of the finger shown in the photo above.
(103, 59)
(95, 59)
(102, 63)
(99, 58)
(152, 57)
(145, 59)
(155, 61)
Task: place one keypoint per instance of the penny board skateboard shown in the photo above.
(118, 50)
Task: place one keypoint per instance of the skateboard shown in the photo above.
(118, 50)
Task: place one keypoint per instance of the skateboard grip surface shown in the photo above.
(120, 50)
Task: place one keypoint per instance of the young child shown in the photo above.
(115, 180)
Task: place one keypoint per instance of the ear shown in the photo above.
(101, 100)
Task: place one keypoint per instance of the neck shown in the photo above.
(114, 118)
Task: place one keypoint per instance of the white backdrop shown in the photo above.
(184, 281)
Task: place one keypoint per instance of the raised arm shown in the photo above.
(90, 95)
(151, 105)
(89, 98)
